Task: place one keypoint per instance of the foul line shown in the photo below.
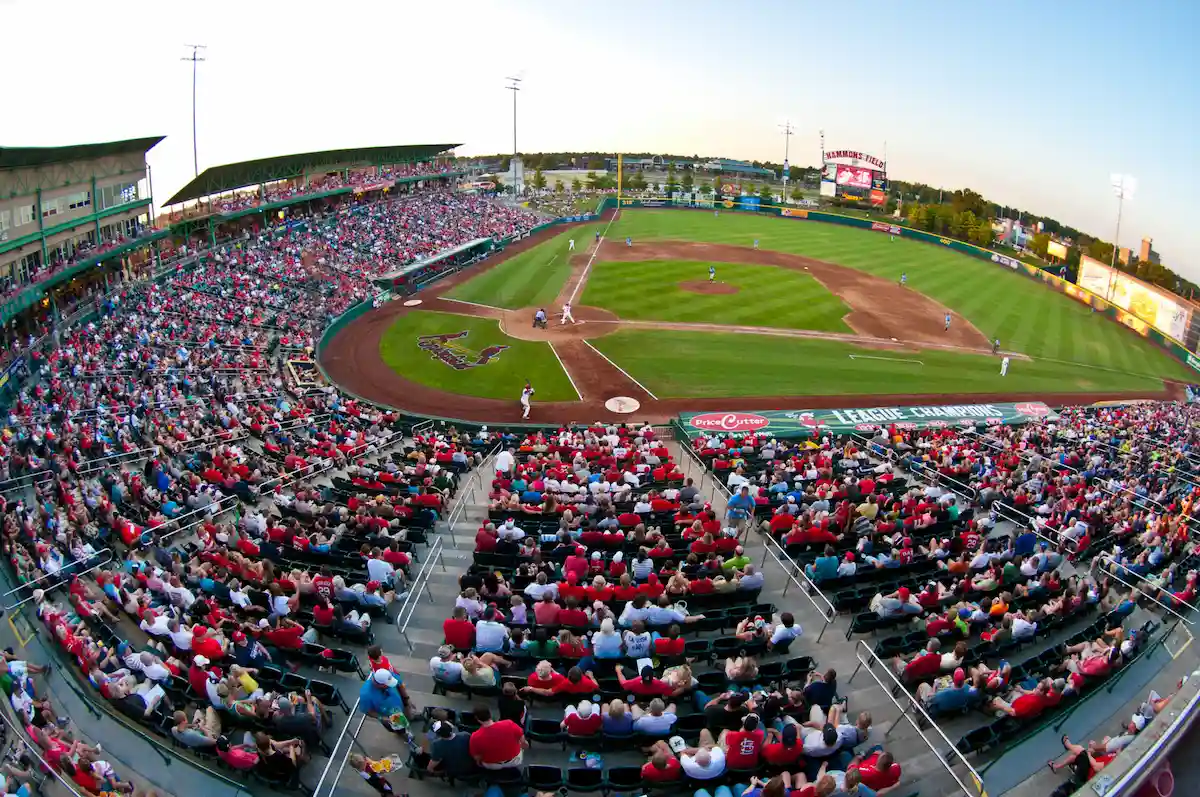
(565, 371)
(889, 359)
(583, 277)
(622, 370)
(473, 304)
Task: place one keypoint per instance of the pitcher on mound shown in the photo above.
(525, 394)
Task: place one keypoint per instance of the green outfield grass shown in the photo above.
(532, 278)
(1025, 315)
(502, 378)
(768, 295)
(712, 364)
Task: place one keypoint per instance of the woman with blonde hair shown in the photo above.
(741, 668)
(677, 586)
(617, 719)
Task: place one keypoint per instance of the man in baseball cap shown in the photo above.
(382, 695)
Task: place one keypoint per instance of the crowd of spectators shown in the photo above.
(1002, 537)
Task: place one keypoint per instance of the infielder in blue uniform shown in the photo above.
(628, 241)
(712, 273)
(947, 322)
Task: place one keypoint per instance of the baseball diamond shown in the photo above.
(816, 316)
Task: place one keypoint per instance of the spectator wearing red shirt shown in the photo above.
(877, 771)
(646, 685)
(670, 645)
(285, 634)
(582, 720)
(497, 745)
(925, 665)
(204, 644)
(1023, 703)
(742, 747)
(573, 615)
(458, 630)
(663, 767)
(787, 750)
(485, 539)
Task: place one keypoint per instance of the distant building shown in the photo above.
(737, 168)
(1147, 254)
(1123, 255)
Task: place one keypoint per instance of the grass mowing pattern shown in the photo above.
(532, 278)
(1025, 315)
(713, 364)
(502, 378)
(769, 296)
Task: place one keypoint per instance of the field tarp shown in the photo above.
(810, 423)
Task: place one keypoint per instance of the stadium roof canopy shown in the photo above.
(232, 176)
(33, 157)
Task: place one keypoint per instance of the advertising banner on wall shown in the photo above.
(749, 202)
(1152, 305)
(828, 188)
(809, 423)
(1057, 249)
(878, 197)
(854, 177)
(793, 213)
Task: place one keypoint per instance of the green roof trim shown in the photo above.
(232, 176)
(33, 157)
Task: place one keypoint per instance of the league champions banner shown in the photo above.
(813, 423)
(1143, 305)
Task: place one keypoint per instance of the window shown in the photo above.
(5, 220)
(52, 207)
(79, 200)
(24, 215)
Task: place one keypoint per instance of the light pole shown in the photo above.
(195, 59)
(514, 86)
(787, 140)
(1123, 186)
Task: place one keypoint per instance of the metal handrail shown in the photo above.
(110, 552)
(427, 424)
(325, 773)
(869, 667)
(791, 569)
(686, 447)
(1029, 522)
(1115, 564)
(23, 601)
(420, 584)
(33, 748)
(1120, 453)
(1134, 775)
(968, 492)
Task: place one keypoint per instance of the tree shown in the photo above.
(595, 163)
(749, 190)
(591, 180)
(539, 180)
(705, 188)
(505, 162)
(688, 182)
(1039, 244)
(575, 185)
(797, 194)
(558, 186)
(767, 195)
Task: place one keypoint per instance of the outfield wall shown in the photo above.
(1098, 304)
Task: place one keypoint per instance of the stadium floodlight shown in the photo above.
(195, 59)
(787, 129)
(1123, 186)
(514, 85)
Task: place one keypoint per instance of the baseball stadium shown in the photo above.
(345, 472)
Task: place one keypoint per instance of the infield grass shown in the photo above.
(532, 278)
(1025, 315)
(501, 378)
(712, 364)
(768, 296)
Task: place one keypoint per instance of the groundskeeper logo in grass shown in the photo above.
(449, 350)
(729, 422)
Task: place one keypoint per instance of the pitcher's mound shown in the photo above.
(591, 322)
(704, 286)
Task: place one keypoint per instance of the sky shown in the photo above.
(1033, 104)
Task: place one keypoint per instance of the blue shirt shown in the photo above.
(531, 497)
(825, 567)
(954, 698)
(606, 647)
(740, 505)
(373, 699)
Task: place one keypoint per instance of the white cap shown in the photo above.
(384, 678)
(200, 661)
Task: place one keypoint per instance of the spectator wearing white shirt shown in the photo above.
(490, 635)
(505, 462)
(1022, 628)
(787, 630)
(540, 587)
(154, 669)
(181, 635)
(510, 531)
(737, 479)
(379, 570)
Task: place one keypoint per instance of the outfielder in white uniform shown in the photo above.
(571, 248)
(1004, 367)
(566, 314)
(525, 394)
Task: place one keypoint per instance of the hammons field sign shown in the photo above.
(805, 423)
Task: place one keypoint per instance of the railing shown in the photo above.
(694, 461)
(897, 687)
(1163, 744)
(929, 476)
(809, 587)
(1113, 564)
(422, 427)
(420, 584)
(32, 748)
(1030, 522)
(474, 483)
(336, 745)
(64, 571)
